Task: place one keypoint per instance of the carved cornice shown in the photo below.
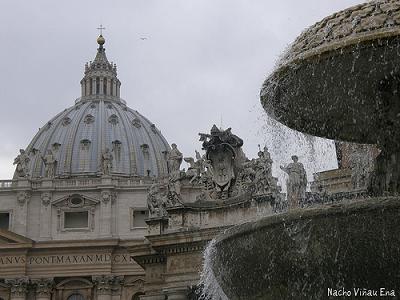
(150, 259)
(183, 248)
(18, 286)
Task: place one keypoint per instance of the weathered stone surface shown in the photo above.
(299, 255)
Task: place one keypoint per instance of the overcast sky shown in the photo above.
(203, 62)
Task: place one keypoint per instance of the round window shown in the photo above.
(76, 201)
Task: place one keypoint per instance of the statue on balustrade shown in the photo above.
(174, 159)
(296, 183)
(50, 164)
(196, 168)
(22, 162)
(106, 162)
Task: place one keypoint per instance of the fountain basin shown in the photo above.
(302, 253)
(340, 78)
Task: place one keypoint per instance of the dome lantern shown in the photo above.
(100, 78)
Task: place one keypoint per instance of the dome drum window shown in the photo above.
(89, 119)
(55, 146)
(66, 121)
(154, 128)
(113, 119)
(85, 145)
(136, 122)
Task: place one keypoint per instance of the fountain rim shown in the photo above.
(319, 211)
(333, 46)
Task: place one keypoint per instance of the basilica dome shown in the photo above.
(100, 122)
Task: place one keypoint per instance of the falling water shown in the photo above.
(316, 154)
(211, 289)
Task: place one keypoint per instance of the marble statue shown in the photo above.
(22, 161)
(49, 164)
(106, 161)
(174, 159)
(296, 183)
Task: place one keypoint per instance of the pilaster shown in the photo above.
(107, 197)
(45, 215)
(21, 212)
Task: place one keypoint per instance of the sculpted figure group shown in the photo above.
(22, 161)
(222, 172)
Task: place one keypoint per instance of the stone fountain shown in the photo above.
(340, 79)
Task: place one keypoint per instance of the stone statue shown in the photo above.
(296, 183)
(158, 201)
(22, 161)
(174, 159)
(265, 159)
(196, 168)
(106, 162)
(49, 164)
(153, 200)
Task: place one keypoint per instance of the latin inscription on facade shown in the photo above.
(99, 258)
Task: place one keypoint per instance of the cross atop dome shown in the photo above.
(100, 39)
(101, 28)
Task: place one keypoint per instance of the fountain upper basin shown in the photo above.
(340, 78)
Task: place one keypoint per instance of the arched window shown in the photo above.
(105, 86)
(91, 87)
(97, 85)
(75, 296)
(136, 296)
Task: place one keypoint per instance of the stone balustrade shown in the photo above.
(74, 182)
(6, 183)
